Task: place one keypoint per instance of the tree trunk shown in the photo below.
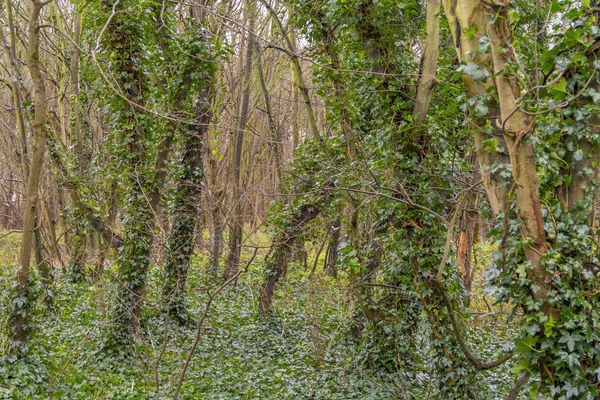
(463, 14)
(275, 136)
(430, 50)
(517, 127)
(466, 241)
(138, 219)
(332, 254)
(181, 241)
(236, 231)
(282, 247)
(19, 332)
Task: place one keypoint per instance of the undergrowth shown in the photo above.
(239, 355)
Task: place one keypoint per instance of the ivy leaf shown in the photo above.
(513, 16)
(548, 325)
(522, 365)
(590, 92)
(572, 391)
(474, 72)
(570, 339)
(522, 270)
(559, 89)
(490, 145)
(525, 345)
(481, 109)
(470, 33)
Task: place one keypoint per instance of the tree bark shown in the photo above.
(236, 231)
(19, 331)
(430, 50)
(332, 254)
(181, 241)
(517, 128)
(466, 14)
(282, 247)
(274, 135)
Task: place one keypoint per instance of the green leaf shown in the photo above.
(559, 89)
(471, 32)
(548, 325)
(525, 345)
(570, 339)
(474, 72)
(522, 270)
(522, 365)
(491, 145)
(513, 16)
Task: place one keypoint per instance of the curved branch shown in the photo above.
(521, 380)
(479, 365)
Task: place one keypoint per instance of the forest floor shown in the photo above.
(306, 350)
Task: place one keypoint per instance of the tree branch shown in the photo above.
(479, 365)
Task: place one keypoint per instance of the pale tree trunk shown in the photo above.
(430, 51)
(461, 15)
(236, 231)
(511, 123)
(517, 128)
(78, 240)
(275, 136)
(19, 332)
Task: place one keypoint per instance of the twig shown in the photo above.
(10, 233)
(312, 271)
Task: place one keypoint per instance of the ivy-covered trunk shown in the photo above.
(332, 253)
(132, 267)
(182, 237)
(547, 247)
(122, 38)
(281, 249)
